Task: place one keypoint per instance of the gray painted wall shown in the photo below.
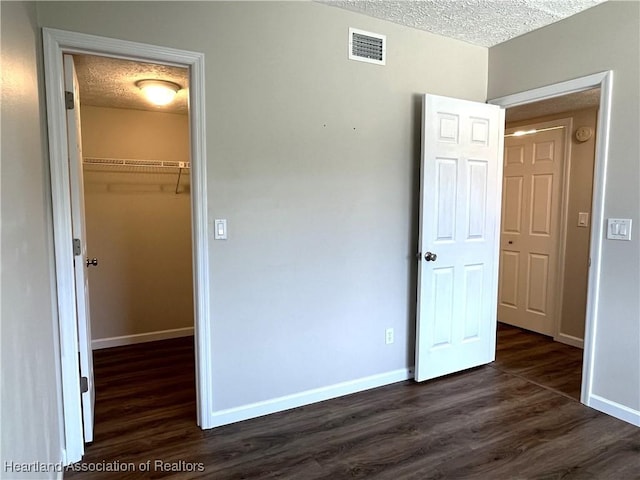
(606, 37)
(31, 425)
(313, 159)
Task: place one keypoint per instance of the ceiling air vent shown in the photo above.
(367, 47)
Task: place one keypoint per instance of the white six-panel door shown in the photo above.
(530, 240)
(74, 140)
(459, 233)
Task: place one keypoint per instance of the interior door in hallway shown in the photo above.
(530, 233)
(459, 232)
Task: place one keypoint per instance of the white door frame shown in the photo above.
(57, 42)
(604, 80)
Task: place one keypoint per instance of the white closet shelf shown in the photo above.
(131, 162)
(124, 165)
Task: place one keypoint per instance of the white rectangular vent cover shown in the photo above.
(367, 47)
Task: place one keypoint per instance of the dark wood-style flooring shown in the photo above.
(539, 359)
(514, 419)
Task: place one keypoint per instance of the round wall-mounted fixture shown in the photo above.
(158, 92)
(583, 134)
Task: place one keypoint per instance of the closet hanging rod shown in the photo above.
(130, 162)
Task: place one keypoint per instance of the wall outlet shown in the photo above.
(388, 336)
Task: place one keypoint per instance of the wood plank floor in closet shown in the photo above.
(513, 419)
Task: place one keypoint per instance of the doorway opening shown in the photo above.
(137, 204)
(549, 161)
(136, 173)
(69, 323)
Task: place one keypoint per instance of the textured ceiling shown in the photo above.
(480, 22)
(110, 82)
(566, 103)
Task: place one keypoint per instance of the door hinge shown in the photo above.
(69, 100)
(77, 247)
(84, 384)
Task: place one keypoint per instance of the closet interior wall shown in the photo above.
(138, 226)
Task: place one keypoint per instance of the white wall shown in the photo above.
(606, 37)
(31, 427)
(137, 226)
(314, 160)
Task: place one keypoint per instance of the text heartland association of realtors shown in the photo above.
(114, 466)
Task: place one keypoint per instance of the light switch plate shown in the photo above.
(220, 229)
(583, 219)
(619, 229)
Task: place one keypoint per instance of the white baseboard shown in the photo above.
(614, 409)
(570, 340)
(258, 409)
(99, 343)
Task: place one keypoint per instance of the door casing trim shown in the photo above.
(56, 42)
(603, 80)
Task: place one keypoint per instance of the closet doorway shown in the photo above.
(75, 379)
(137, 185)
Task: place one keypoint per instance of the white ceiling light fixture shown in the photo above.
(159, 92)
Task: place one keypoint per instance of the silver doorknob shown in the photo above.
(93, 261)
(430, 257)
